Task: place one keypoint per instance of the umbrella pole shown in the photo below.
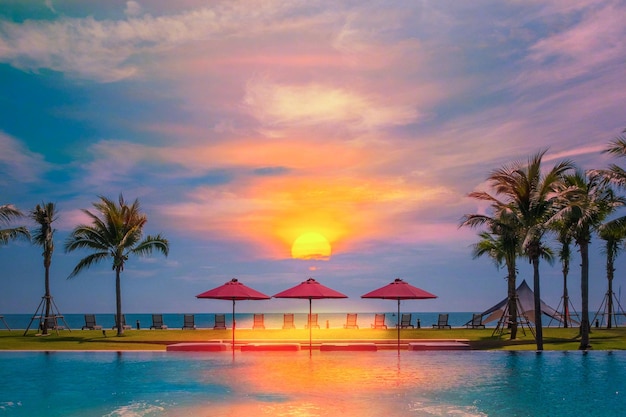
(398, 318)
(234, 325)
(310, 331)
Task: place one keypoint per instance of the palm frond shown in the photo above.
(150, 243)
(9, 213)
(13, 233)
(87, 261)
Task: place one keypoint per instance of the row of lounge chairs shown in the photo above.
(157, 322)
(288, 322)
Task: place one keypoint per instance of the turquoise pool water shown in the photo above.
(345, 384)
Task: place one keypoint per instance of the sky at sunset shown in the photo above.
(243, 125)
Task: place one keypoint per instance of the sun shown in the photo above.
(311, 245)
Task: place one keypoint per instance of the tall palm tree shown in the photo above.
(501, 243)
(115, 232)
(613, 244)
(44, 215)
(565, 255)
(585, 201)
(529, 195)
(8, 213)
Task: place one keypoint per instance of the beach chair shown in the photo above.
(476, 322)
(442, 322)
(51, 323)
(351, 322)
(189, 322)
(312, 321)
(157, 322)
(405, 321)
(5, 323)
(288, 322)
(90, 323)
(220, 322)
(123, 323)
(379, 322)
(259, 322)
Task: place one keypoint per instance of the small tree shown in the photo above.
(501, 244)
(613, 237)
(116, 233)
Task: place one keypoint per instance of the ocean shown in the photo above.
(244, 320)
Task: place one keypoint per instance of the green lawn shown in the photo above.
(554, 338)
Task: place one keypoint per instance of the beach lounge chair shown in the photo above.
(123, 323)
(51, 323)
(476, 322)
(220, 322)
(90, 323)
(157, 322)
(351, 322)
(442, 322)
(5, 323)
(405, 321)
(379, 322)
(259, 322)
(189, 322)
(312, 321)
(288, 322)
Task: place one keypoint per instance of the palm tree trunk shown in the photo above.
(46, 297)
(537, 299)
(118, 301)
(609, 302)
(565, 293)
(565, 304)
(584, 295)
(512, 293)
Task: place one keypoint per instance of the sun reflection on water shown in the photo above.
(337, 384)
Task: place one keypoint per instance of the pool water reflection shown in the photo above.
(326, 384)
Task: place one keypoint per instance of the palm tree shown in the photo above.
(528, 197)
(585, 201)
(44, 215)
(565, 255)
(8, 213)
(501, 243)
(116, 232)
(613, 244)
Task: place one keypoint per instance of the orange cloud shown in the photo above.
(272, 212)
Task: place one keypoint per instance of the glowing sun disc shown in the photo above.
(311, 245)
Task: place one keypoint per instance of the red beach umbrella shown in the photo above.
(233, 290)
(399, 290)
(310, 289)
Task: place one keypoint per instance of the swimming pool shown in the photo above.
(376, 384)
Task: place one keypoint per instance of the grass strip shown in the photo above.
(481, 339)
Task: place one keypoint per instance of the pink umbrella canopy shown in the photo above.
(310, 289)
(399, 290)
(233, 290)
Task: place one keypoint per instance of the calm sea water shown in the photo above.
(367, 384)
(244, 320)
